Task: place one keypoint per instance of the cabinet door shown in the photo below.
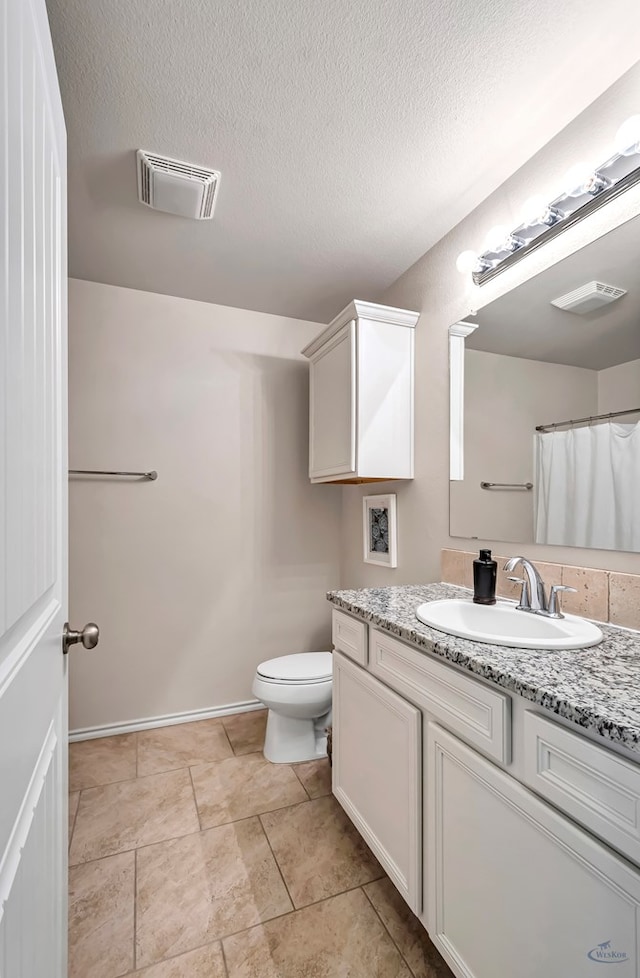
(332, 412)
(514, 887)
(377, 772)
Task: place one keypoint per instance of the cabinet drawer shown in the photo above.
(590, 783)
(350, 636)
(480, 715)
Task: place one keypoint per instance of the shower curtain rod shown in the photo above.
(595, 417)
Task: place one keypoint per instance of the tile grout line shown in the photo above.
(275, 859)
(261, 923)
(304, 787)
(104, 784)
(297, 910)
(144, 777)
(195, 798)
(180, 767)
(391, 937)
(179, 954)
(224, 959)
(199, 763)
(135, 908)
(350, 889)
(187, 835)
(228, 738)
(270, 811)
(221, 938)
(75, 819)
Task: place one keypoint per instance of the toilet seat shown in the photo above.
(299, 669)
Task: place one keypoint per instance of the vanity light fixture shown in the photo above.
(585, 188)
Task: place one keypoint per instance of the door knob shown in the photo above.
(89, 636)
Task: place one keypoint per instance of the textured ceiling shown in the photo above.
(351, 134)
(522, 323)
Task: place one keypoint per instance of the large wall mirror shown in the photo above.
(548, 418)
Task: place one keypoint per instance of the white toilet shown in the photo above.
(296, 689)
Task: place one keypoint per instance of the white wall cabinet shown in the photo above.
(516, 888)
(377, 772)
(361, 396)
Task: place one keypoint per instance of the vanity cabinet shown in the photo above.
(361, 396)
(507, 856)
(377, 772)
(515, 888)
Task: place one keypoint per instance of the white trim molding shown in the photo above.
(168, 720)
(362, 310)
(457, 336)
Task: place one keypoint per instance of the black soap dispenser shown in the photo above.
(484, 578)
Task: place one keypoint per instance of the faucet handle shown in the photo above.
(525, 601)
(554, 602)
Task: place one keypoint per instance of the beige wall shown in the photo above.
(435, 288)
(505, 398)
(225, 560)
(619, 388)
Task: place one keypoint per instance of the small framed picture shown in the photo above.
(380, 532)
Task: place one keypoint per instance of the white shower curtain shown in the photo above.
(588, 487)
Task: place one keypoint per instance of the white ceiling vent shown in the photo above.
(177, 187)
(588, 297)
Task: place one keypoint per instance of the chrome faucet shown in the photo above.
(534, 595)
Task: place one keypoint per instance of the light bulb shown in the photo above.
(627, 141)
(534, 210)
(582, 179)
(496, 238)
(576, 180)
(466, 262)
(537, 211)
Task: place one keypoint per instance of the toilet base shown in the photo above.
(289, 740)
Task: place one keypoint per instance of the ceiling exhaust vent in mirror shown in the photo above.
(588, 297)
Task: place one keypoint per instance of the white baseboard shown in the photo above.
(147, 723)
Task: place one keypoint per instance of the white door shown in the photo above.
(515, 888)
(377, 771)
(332, 398)
(33, 500)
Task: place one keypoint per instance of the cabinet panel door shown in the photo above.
(332, 417)
(377, 772)
(515, 888)
(385, 400)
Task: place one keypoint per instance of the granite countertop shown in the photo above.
(596, 688)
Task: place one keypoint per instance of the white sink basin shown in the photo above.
(503, 624)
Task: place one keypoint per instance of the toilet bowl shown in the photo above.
(296, 689)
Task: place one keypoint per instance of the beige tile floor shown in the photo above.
(193, 857)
